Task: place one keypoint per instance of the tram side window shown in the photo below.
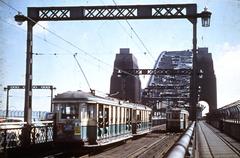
(149, 117)
(106, 116)
(175, 115)
(91, 111)
(83, 112)
(100, 116)
(69, 111)
(181, 116)
(138, 116)
(168, 115)
(127, 115)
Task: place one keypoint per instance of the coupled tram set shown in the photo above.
(88, 120)
(92, 120)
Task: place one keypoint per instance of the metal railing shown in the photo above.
(11, 134)
(180, 148)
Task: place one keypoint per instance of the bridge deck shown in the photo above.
(213, 143)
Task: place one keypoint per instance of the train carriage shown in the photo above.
(177, 119)
(92, 120)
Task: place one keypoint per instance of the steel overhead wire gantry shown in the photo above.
(170, 11)
(9, 87)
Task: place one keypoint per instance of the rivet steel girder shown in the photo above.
(160, 71)
(169, 11)
(33, 87)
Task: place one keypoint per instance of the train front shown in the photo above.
(71, 117)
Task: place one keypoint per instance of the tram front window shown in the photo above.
(69, 111)
(175, 115)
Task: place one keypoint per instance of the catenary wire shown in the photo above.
(136, 34)
(125, 30)
(70, 43)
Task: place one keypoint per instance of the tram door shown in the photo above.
(83, 112)
(100, 120)
(128, 120)
(103, 120)
(134, 121)
(106, 120)
(92, 124)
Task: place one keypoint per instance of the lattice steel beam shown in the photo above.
(160, 71)
(171, 11)
(164, 95)
(33, 87)
(168, 87)
(166, 99)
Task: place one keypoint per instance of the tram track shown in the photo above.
(159, 148)
(151, 145)
(145, 148)
(154, 144)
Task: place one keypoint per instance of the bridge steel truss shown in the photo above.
(169, 11)
(159, 71)
(149, 90)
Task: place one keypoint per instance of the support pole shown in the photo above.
(194, 74)
(193, 82)
(52, 88)
(7, 102)
(26, 139)
(28, 81)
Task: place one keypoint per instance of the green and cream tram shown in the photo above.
(177, 119)
(93, 120)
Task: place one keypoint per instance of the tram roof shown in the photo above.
(80, 96)
(177, 110)
(73, 95)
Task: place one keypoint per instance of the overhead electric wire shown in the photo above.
(39, 37)
(10, 6)
(70, 43)
(124, 29)
(55, 54)
(136, 34)
(43, 54)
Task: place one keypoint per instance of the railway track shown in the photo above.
(154, 144)
(157, 149)
(151, 145)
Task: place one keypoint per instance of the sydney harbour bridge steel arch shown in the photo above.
(169, 11)
(173, 88)
(169, 84)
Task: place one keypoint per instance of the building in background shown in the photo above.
(124, 85)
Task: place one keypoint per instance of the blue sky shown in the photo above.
(101, 40)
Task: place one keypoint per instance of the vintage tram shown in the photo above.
(177, 119)
(92, 120)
